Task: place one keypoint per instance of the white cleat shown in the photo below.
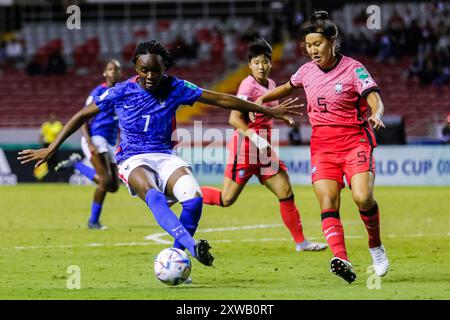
(188, 280)
(380, 260)
(307, 245)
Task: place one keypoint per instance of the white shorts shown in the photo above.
(161, 164)
(102, 146)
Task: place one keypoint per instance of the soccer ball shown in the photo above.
(172, 266)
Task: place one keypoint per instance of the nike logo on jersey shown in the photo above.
(128, 107)
(173, 230)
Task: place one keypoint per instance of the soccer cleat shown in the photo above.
(343, 269)
(188, 280)
(68, 163)
(202, 253)
(310, 246)
(380, 260)
(96, 226)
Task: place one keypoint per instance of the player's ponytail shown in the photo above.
(319, 23)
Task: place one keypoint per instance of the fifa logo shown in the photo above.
(7, 177)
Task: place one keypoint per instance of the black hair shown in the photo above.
(154, 47)
(319, 23)
(258, 47)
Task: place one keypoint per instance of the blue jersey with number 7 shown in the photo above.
(146, 119)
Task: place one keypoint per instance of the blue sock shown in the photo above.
(85, 170)
(157, 202)
(96, 210)
(190, 216)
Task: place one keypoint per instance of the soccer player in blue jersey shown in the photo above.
(98, 144)
(146, 105)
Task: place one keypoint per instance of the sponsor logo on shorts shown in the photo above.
(313, 170)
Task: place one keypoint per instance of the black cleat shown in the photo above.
(202, 253)
(342, 269)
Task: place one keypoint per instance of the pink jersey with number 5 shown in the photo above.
(335, 96)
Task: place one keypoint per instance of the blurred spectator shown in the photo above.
(56, 65)
(34, 67)
(387, 52)
(181, 50)
(49, 132)
(294, 136)
(3, 56)
(446, 131)
(14, 52)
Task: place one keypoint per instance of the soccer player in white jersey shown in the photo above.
(339, 92)
(146, 105)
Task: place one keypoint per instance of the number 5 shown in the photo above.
(323, 104)
(147, 122)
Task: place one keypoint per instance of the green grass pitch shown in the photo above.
(43, 232)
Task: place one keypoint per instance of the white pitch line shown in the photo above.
(157, 236)
(155, 239)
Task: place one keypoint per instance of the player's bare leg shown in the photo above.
(230, 192)
(280, 186)
(362, 192)
(328, 193)
(225, 197)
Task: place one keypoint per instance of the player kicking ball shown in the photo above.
(245, 161)
(98, 145)
(146, 106)
(339, 91)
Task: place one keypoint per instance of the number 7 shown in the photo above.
(147, 122)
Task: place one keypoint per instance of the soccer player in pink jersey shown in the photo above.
(339, 92)
(244, 160)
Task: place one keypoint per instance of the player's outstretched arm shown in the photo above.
(278, 93)
(42, 155)
(377, 107)
(282, 111)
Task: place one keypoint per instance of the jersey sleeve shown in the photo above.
(108, 99)
(297, 79)
(88, 101)
(363, 82)
(188, 92)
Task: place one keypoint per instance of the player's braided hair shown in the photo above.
(154, 47)
(319, 23)
(258, 47)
